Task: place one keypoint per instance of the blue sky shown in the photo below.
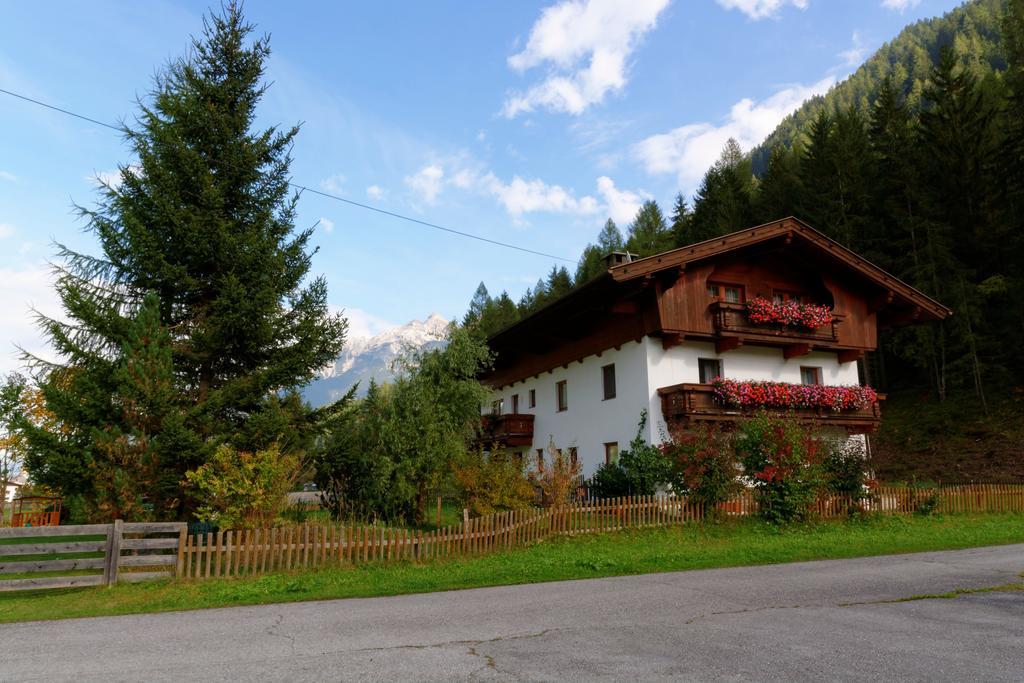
(523, 122)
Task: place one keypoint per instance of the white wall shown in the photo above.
(679, 364)
(640, 370)
(590, 421)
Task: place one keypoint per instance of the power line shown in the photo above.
(328, 195)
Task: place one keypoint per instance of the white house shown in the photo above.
(780, 303)
(14, 485)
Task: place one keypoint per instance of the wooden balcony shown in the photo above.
(685, 405)
(509, 429)
(730, 320)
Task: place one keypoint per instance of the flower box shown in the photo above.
(761, 311)
(750, 394)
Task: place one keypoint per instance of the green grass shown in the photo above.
(695, 546)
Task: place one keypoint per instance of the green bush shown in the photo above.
(782, 460)
(609, 481)
(493, 482)
(704, 466)
(241, 489)
(646, 466)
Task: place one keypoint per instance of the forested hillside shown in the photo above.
(973, 29)
(918, 164)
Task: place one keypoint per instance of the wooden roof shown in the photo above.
(788, 229)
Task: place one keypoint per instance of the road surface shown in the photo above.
(807, 621)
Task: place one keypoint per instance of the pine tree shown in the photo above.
(477, 306)
(681, 222)
(780, 190)
(723, 202)
(649, 234)
(205, 221)
(592, 261)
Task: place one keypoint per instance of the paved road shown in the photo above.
(808, 621)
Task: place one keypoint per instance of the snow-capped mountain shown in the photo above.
(366, 358)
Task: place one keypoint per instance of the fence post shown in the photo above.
(113, 554)
(439, 512)
(180, 566)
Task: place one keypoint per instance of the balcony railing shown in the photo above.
(509, 429)
(730, 319)
(684, 405)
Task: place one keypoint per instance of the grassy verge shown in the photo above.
(660, 550)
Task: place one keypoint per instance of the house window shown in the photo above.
(515, 404)
(608, 376)
(497, 406)
(540, 459)
(709, 369)
(533, 398)
(730, 293)
(611, 452)
(562, 396)
(573, 456)
(780, 295)
(809, 375)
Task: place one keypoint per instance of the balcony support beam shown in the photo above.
(795, 350)
(850, 355)
(727, 344)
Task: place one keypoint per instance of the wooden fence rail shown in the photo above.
(88, 554)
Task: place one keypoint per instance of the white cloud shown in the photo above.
(23, 289)
(585, 45)
(759, 9)
(6, 230)
(334, 184)
(688, 151)
(900, 5)
(521, 196)
(9, 177)
(363, 324)
(854, 57)
(327, 224)
(622, 205)
(375, 192)
(427, 182)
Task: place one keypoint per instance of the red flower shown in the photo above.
(784, 395)
(761, 311)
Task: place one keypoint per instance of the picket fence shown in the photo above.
(258, 551)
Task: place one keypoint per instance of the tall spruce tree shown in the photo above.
(723, 203)
(202, 223)
(592, 260)
(649, 234)
(682, 221)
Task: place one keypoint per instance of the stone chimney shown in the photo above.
(617, 258)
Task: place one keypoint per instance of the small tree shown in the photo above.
(844, 470)
(557, 480)
(782, 460)
(240, 489)
(704, 466)
(609, 481)
(646, 466)
(493, 481)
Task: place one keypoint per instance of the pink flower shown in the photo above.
(762, 311)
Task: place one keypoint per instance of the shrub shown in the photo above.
(704, 466)
(844, 470)
(243, 489)
(646, 466)
(493, 482)
(609, 481)
(782, 460)
(557, 480)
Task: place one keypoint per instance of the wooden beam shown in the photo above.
(795, 350)
(850, 355)
(727, 344)
(670, 339)
(625, 308)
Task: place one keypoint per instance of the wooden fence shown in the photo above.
(103, 554)
(89, 554)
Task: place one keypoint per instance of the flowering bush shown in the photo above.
(782, 459)
(761, 311)
(765, 394)
(704, 466)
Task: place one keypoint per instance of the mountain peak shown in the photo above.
(365, 358)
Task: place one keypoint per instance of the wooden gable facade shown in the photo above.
(669, 296)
